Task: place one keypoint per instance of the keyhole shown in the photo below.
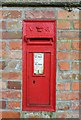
(33, 81)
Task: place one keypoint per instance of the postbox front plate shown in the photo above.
(39, 65)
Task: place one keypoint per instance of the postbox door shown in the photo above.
(39, 79)
(39, 65)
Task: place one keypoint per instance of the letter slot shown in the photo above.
(38, 40)
(39, 65)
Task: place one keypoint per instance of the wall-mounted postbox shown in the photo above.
(39, 65)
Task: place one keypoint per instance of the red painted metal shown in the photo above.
(39, 90)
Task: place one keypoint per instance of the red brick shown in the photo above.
(11, 54)
(76, 45)
(60, 86)
(63, 24)
(3, 54)
(79, 105)
(75, 56)
(64, 66)
(14, 85)
(1, 115)
(76, 76)
(64, 46)
(75, 85)
(10, 114)
(79, 55)
(15, 45)
(3, 45)
(0, 74)
(67, 115)
(0, 94)
(76, 66)
(63, 55)
(64, 76)
(64, 86)
(2, 65)
(11, 75)
(74, 96)
(14, 65)
(11, 35)
(77, 24)
(2, 104)
(2, 25)
(75, 105)
(1, 14)
(69, 76)
(68, 35)
(3, 85)
(40, 14)
(68, 96)
(67, 86)
(61, 115)
(11, 14)
(11, 94)
(1, 35)
(13, 105)
(15, 54)
(63, 106)
(17, 25)
(63, 14)
(79, 76)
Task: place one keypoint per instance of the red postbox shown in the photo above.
(39, 65)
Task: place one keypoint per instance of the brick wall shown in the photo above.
(68, 56)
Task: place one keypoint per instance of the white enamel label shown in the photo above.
(38, 63)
